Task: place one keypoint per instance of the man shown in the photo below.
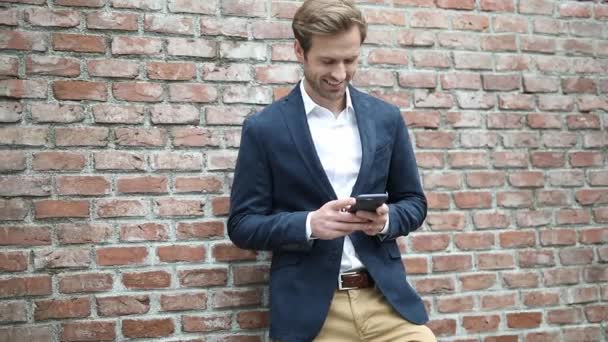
(335, 275)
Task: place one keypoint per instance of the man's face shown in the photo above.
(329, 64)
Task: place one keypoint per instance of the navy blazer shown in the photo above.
(279, 179)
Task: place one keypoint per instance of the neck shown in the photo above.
(336, 107)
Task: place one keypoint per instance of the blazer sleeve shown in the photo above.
(254, 222)
(407, 203)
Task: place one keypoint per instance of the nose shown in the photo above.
(339, 72)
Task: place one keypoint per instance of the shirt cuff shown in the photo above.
(309, 227)
(385, 229)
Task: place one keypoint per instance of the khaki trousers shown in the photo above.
(364, 315)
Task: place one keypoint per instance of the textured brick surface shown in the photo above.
(120, 122)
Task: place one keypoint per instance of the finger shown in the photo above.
(340, 203)
(382, 210)
(368, 215)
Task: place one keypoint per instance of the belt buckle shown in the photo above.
(342, 288)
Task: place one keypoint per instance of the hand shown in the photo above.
(375, 220)
(331, 221)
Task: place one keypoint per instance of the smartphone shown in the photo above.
(368, 202)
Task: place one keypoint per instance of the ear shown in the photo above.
(299, 51)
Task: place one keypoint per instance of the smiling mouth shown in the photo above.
(331, 84)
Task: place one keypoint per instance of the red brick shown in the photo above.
(387, 56)
(237, 298)
(142, 184)
(183, 301)
(51, 18)
(434, 285)
(82, 185)
(437, 200)
(80, 90)
(537, 258)
(557, 237)
(14, 209)
(55, 160)
(541, 298)
(576, 256)
(242, 72)
(515, 199)
(524, 320)
(85, 282)
(54, 66)
(469, 160)
(140, 328)
(561, 276)
(497, 5)
(534, 218)
(11, 111)
(112, 21)
(146, 280)
(548, 159)
(405, 38)
(593, 236)
(78, 42)
(446, 221)
(171, 71)
(488, 220)
(476, 282)
(190, 47)
(9, 17)
(493, 261)
(520, 279)
(23, 40)
(429, 242)
(428, 59)
(416, 265)
(25, 286)
(455, 304)
(477, 324)
(199, 230)
(271, 30)
(27, 333)
(13, 261)
(23, 88)
(42, 113)
(206, 323)
(113, 256)
(472, 22)
(12, 186)
(229, 252)
(88, 331)
(166, 23)
(190, 92)
(573, 216)
(25, 235)
(248, 275)
(442, 327)
(80, 3)
(123, 305)
(580, 295)
(63, 258)
(128, 45)
(517, 239)
(46, 209)
(203, 277)
(83, 233)
(113, 68)
(121, 208)
(253, 319)
(195, 136)
(204, 184)
(451, 263)
(138, 91)
(564, 316)
(179, 253)
(434, 139)
(227, 26)
(108, 113)
(81, 136)
(59, 309)
(148, 5)
(498, 301)
(13, 312)
(470, 200)
(169, 207)
(596, 313)
(586, 159)
(144, 232)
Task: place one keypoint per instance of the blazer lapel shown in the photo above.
(367, 132)
(295, 118)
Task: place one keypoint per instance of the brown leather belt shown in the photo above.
(354, 280)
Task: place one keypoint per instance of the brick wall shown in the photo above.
(120, 127)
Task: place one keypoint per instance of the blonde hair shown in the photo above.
(326, 17)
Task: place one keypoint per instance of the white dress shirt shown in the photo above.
(338, 146)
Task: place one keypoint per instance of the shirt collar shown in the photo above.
(310, 104)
